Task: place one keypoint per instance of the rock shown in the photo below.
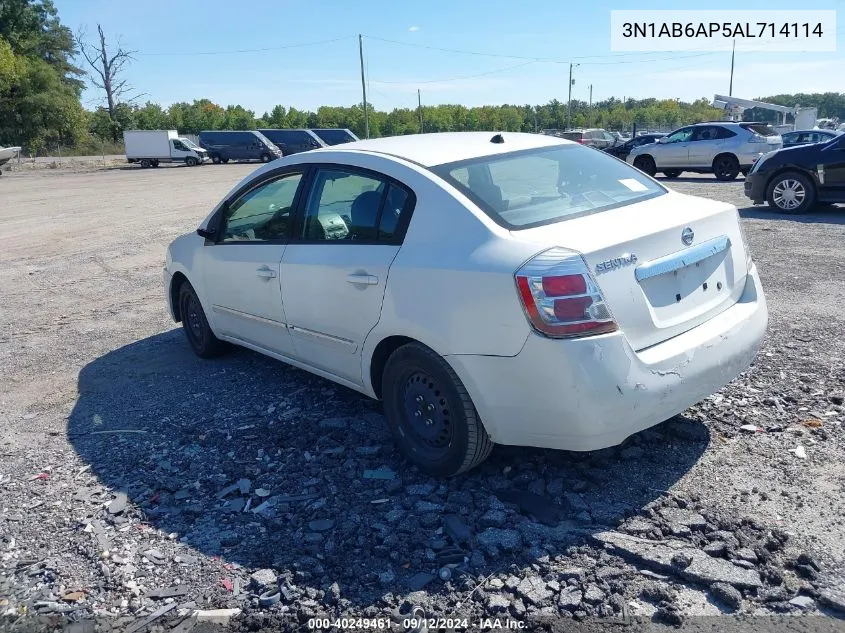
(750, 428)
(493, 539)
(727, 595)
(571, 573)
(666, 556)
(688, 430)
(427, 506)
(540, 507)
(498, 602)
(631, 453)
(746, 554)
(381, 473)
(570, 598)
(804, 602)
(638, 525)
(216, 616)
(533, 589)
(242, 485)
(594, 595)
(321, 525)
(419, 581)
(419, 489)
(118, 504)
(263, 578)
(335, 424)
(799, 451)
(658, 592)
(716, 549)
(456, 528)
(692, 520)
(833, 596)
(387, 577)
(493, 518)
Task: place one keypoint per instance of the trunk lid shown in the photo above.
(657, 285)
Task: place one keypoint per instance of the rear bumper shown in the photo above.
(593, 393)
(755, 187)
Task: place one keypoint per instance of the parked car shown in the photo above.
(7, 154)
(587, 301)
(226, 145)
(804, 137)
(592, 137)
(792, 179)
(723, 148)
(622, 150)
(149, 148)
(335, 136)
(293, 141)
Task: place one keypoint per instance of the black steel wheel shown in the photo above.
(430, 413)
(202, 340)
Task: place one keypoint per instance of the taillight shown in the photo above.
(560, 298)
(756, 138)
(583, 141)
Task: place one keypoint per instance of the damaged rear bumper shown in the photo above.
(593, 393)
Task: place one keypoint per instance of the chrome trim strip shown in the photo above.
(246, 315)
(687, 257)
(324, 337)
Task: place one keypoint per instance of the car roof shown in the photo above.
(439, 148)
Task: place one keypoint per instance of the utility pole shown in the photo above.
(419, 104)
(569, 100)
(363, 86)
(731, 86)
(591, 104)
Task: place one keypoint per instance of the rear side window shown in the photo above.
(763, 129)
(545, 185)
(572, 136)
(334, 137)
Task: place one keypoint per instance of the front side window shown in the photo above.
(178, 145)
(680, 136)
(349, 206)
(544, 185)
(262, 214)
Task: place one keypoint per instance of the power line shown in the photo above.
(434, 81)
(248, 50)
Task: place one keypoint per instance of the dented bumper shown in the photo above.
(593, 393)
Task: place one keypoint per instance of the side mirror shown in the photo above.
(205, 233)
(663, 140)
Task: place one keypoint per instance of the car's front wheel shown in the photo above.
(791, 193)
(430, 413)
(672, 173)
(646, 164)
(190, 161)
(195, 325)
(266, 158)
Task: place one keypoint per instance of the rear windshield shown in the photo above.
(334, 137)
(763, 129)
(545, 185)
(572, 136)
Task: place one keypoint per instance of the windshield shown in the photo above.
(334, 137)
(188, 143)
(545, 185)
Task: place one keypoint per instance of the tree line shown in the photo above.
(41, 82)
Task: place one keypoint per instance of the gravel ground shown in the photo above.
(141, 484)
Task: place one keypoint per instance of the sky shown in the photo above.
(305, 54)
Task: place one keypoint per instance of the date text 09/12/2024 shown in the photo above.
(748, 30)
(416, 624)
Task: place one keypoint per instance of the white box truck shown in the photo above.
(151, 147)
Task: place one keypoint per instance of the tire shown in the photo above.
(646, 164)
(744, 172)
(725, 167)
(417, 383)
(155, 163)
(791, 192)
(225, 161)
(672, 173)
(195, 325)
(191, 161)
(266, 158)
(145, 163)
(215, 158)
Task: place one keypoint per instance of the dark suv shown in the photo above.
(226, 145)
(293, 141)
(792, 179)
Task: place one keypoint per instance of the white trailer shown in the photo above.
(149, 148)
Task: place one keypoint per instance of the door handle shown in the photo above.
(369, 280)
(266, 272)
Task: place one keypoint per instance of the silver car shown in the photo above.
(723, 148)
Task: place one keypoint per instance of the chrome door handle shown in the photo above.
(369, 280)
(266, 272)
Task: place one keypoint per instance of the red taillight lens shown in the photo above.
(583, 141)
(564, 285)
(560, 298)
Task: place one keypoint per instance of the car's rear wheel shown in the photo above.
(224, 160)
(791, 193)
(645, 164)
(430, 413)
(215, 158)
(146, 162)
(195, 325)
(725, 167)
(672, 173)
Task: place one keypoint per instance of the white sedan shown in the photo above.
(490, 288)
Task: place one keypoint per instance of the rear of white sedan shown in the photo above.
(544, 294)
